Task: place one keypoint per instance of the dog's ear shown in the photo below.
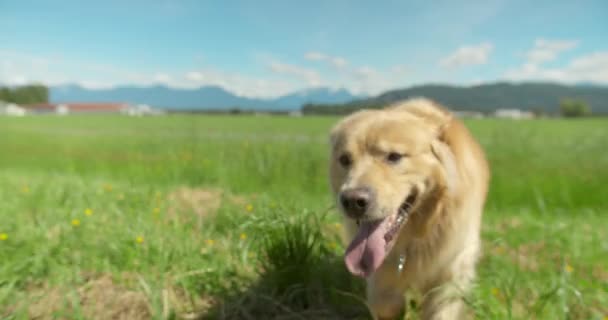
(445, 178)
(335, 136)
(442, 150)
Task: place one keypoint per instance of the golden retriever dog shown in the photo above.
(411, 182)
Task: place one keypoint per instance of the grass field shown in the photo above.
(230, 218)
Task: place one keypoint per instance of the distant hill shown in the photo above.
(315, 95)
(204, 98)
(538, 97)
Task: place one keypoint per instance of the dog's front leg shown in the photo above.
(444, 301)
(385, 291)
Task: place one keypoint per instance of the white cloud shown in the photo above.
(334, 61)
(7, 64)
(56, 70)
(339, 62)
(236, 83)
(593, 62)
(195, 76)
(162, 78)
(370, 81)
(315, 56)
(365, 72)
(95, 85)
(363, 79)
(547, 50)
(468, 55)
(17, 68)
(311, 77)
(17, 80)
(399, 69)
(591, 67)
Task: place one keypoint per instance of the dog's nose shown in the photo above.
(355, 201)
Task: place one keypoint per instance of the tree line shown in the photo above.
(27, 94)
(568, 108)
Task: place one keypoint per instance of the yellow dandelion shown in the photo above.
(210, 242)
(156, 210)
(88, 211)
(75, 222)
(333, 245)
(569, 268)
(107, 187)
(139, 239)
(243, 236)
(495, 292)
(249, 208)
(3, 236)
(25, 189)
(499, 250)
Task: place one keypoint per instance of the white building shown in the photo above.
(469, 114)
(513, 114)
(11, 109)
(141, 110)
(62, 109)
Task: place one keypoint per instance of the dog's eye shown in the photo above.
(394, 157)
(345, 160)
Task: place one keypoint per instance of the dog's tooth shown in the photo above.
(401, 262)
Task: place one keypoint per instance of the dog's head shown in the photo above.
(384, 165)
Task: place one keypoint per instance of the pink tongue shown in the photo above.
(366, 252)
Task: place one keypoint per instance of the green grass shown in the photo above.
(256, 237)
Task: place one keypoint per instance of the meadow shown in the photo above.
(230, 217)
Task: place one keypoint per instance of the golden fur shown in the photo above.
(447, 168)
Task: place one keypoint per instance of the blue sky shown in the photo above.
(269, 48)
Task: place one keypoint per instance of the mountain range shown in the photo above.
(203, 98)
(535, 96)
(531, 96)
